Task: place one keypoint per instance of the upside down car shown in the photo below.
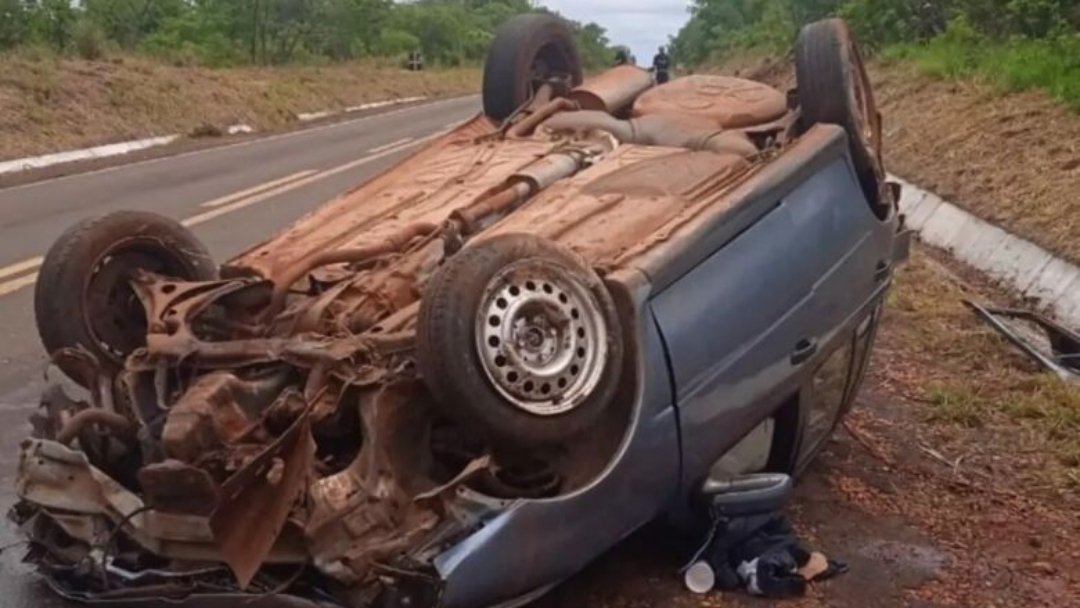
(457, 384)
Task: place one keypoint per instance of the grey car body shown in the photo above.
(770, 314)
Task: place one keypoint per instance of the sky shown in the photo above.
(642, 25)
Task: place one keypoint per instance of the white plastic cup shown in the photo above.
(700, 578)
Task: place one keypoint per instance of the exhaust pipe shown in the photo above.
(614, 90)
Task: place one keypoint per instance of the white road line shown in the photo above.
(225, 200)
(260, 194)
(241, 144)
(392, 144)
(20, 267)
(206, 216)
(17, 284)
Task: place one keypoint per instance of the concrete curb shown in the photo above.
(37, 162)
(1036, 273)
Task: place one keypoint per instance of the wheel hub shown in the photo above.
(541, 337)
(115, 316)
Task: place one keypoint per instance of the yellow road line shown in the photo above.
(21, 267)
(233, 202)
(16, 284)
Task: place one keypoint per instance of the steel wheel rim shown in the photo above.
(550, 63)
(541, 337)
(862, 102)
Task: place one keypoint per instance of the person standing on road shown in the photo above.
(662, 66)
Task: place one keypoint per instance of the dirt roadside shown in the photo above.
(52, 105)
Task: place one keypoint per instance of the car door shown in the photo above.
(831, 390)
(751, 320)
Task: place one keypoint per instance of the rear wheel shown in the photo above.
(833, 88)
(84, 295)
(518, 337)
(528, 51)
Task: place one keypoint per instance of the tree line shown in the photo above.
(720, 27)
(262, 32)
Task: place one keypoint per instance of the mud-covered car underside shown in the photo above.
(321, 417)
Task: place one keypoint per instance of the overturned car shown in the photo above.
(462, 381)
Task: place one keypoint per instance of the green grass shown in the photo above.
(1047, 403)
(961, 372)
(955, 403)
(1008, 66)
(1055, 406)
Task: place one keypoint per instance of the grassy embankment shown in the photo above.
(50, 104)
(1050, 64)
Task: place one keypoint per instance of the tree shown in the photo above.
(717, 27)
(593, 44)
(52, 21)
(14, 23)
(226, 32)
(128, 22)
(351, 28)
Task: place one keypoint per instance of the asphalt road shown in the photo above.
(231, 196)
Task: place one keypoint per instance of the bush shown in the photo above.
(1018, 64)
(954, 54)
(89, 40)
(392, 43)
(1051, 64)
(36, 52)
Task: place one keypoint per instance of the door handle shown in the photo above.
(881, 271)
(804, 350)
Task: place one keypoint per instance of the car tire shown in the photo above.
(83, 297)
(833, 87)
(518, 339)
(527, 48)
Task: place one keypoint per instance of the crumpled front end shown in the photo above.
(270, 512)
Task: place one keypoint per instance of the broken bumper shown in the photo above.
(95, 541)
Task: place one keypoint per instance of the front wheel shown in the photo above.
(84, 295)
(519, 338)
